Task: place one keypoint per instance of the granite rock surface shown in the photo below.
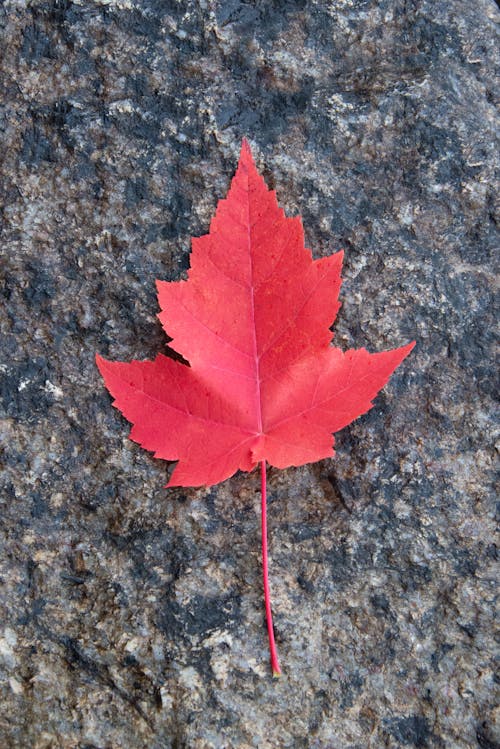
(131, 616)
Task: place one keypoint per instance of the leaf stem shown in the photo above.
(267, 596)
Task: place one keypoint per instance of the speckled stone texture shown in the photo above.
(132, 616)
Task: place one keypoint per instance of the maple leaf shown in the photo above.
(253, 320)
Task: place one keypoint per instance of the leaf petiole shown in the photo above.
(265, 572)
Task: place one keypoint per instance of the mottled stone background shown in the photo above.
(131, 616)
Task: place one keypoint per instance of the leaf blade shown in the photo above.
(253, 320)
(140, 394)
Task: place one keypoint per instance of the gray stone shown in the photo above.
(131, 615)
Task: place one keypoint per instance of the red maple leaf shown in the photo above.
(264, 384)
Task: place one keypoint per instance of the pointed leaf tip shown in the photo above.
(246, 155)
(100, 361)
(405, 350)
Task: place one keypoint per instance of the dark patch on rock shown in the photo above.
(24, 394)
(412, 730)
(484, 738)
(200, 617)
